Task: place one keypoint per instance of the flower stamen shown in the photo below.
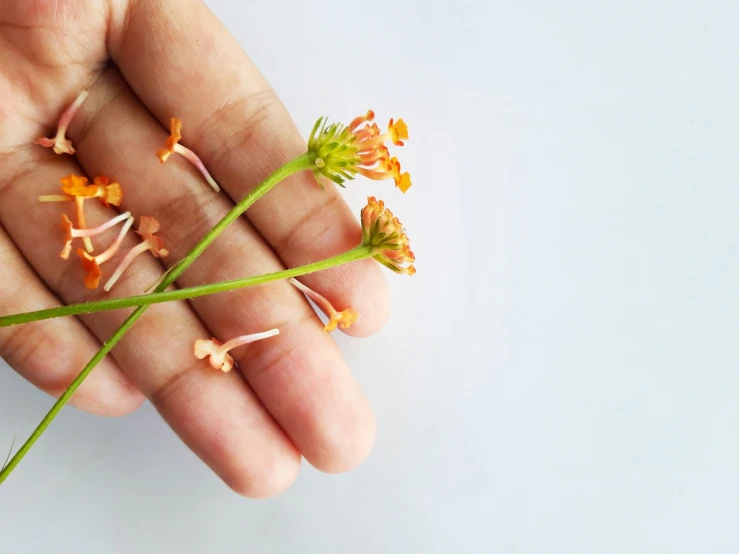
(218, 351)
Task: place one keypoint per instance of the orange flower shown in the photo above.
(147, 227)
(173, 145)
(60, 143)
(344, 318)
(385, 234)
(92, 264)
(77, 190)
(342, 152)
(218, 351)
(175, 134)
(398, 131)
(92, 269)
(75, 185)
(388, 168)
(109, 194)
(70, 233)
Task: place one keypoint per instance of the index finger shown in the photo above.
(181, 61)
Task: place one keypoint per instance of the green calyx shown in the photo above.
(334, 150)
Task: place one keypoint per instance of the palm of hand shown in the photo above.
(144, 62)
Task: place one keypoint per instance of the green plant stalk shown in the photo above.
(361, 252)
(301, 163)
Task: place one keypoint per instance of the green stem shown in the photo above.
(306, 161)
(359, 253)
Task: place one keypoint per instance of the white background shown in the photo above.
(560, 377)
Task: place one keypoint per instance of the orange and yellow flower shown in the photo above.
(75, 185)
(109, 193)
(175, 135)
(385, 234)
(342, 152)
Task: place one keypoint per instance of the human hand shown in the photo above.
(143, 63)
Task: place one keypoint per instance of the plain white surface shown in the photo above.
(560, 376)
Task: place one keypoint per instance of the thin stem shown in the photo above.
(12, 444)
(69, 113)
(247, 339)
(359, 253)
(113, 248)
(303, 162)
(93, 231)
(195, 160)
(319, 300)
(82, 223)
(56, 198)
(125, 262)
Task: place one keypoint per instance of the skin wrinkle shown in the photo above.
(292, 232)
(253, 118)
(80, 130)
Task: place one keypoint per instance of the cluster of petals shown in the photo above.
(385, 234)
(109, 193)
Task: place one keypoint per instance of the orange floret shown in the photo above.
(175, 135)
(173, 145)
(60, 143)
(344, 318)
(109, 194)
(217, 352)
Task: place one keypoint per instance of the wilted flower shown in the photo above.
(173, 145)
(60, 143)
(343, 318)
(218, 351)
